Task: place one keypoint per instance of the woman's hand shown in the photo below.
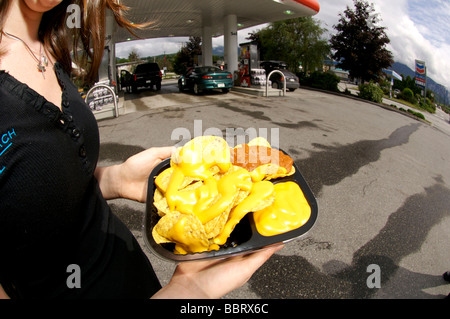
(3, 294)
(129, 179)
(215, 278)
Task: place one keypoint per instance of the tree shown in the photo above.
(133, 56)
(360, 45)
(406, 82)
(295, 41)
(186, 57)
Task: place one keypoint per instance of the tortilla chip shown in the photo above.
(160, 203)
(200, 149)
(163, 179)
(269, 172)
(158, 238)
(259, 141)
(261, 196)
(215, 225)
(184, 230)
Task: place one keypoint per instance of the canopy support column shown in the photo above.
(207, 59)
(231, 43)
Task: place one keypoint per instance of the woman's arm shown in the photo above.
(213, 279)
(129, 179)
(195, 279)
(3, 294)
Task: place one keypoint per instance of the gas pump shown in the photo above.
(244, 65)
(250, 73)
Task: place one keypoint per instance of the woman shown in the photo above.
(53, 210)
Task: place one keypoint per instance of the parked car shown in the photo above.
(147, 75)
(292, 81)
(204, 78)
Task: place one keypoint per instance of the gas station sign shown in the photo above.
(421, 74)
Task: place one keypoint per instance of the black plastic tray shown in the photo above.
(244, 238)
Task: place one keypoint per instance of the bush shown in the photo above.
(386, 87)
(427, 105)
(420, 115)
(371, 92)
(321, 80)
(408, 95)
(417, 114)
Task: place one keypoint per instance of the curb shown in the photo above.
(382, 105)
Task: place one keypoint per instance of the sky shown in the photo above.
(418, 29)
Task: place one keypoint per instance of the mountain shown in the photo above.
(402, 69)
(441, 93)
(219, 50)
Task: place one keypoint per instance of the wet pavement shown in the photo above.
(381, 180)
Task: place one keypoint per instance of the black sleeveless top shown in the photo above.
(52, 213)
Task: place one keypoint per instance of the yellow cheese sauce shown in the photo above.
(260, 191)
(203, 201)
(228, 187)
(185, 242)
(212, 196)
(289, 211)
(194, 163)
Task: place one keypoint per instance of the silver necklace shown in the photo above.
(42, 60)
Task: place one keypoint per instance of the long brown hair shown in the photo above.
(85, 45)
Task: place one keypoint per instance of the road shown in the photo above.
(381, 180)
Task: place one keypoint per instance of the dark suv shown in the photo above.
(147, 75)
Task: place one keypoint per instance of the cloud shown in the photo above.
(416, 30)
(150, 47)
(432, 19)
(153, 47)
(330, 10)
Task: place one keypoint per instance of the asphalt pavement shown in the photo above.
(381, 180)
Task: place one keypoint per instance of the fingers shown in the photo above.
(251, 261)
(164, 152)
(215, 278)
(158, 153)
(268, 251)
(258, 258)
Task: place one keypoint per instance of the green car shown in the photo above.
(200, 79)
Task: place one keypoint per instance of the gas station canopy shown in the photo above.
(202, 18)
(179, 18)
